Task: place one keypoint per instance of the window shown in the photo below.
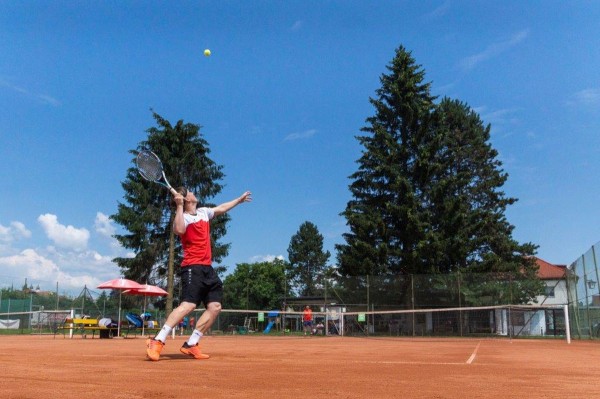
(517, 318)
(549, 292)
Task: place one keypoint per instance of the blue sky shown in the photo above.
(280, 101)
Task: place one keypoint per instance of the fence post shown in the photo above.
(369, 319)
(460, 320)
(567, 324)
(596, 269)
(412, 299)
(587, 297)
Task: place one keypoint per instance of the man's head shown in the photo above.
(182, 190)
(189, 200)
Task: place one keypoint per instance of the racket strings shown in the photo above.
(149, 167)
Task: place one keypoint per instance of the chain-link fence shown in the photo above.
(371, 293)
(579, 289)
(584, 294)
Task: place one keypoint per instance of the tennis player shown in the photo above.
(200, 282)
(307, 319)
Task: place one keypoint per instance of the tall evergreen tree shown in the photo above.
(385, 215)
(147, 212)
(465, 204)
(468, 230)
(427, 194)
(307, 259)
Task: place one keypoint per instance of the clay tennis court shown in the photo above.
(39, 367)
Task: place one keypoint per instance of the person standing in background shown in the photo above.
(307, 319)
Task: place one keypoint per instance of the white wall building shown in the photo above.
(554, 277)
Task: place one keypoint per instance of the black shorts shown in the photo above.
(200, 284)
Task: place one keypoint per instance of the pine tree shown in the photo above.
(147, 213)
(427, 197)
(469, 232)
(466, 204)
(307, 259)
(385, 215)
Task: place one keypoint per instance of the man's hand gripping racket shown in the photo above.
(151, 168)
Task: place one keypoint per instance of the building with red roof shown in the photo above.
(555, 279)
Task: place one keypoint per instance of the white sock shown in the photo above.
(163, 333)
(194, 338)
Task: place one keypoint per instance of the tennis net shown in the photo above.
(511, 321)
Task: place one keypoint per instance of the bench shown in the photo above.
(84, 327)
(149, 327)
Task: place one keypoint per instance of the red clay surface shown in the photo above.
(36, 367)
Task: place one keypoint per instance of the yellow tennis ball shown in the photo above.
(207, 52)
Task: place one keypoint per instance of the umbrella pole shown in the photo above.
(143, 312)
(119, 325)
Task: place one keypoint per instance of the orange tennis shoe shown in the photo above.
(193, 351)
(153, 348)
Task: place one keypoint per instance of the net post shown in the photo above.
(71, 329)
(567, 325)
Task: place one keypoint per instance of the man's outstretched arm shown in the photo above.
(226, 206)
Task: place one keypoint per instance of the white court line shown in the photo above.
(401, 362)
(474, 353)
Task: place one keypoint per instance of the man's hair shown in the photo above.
(181, 190)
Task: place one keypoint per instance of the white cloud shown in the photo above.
(336, 229)
(106, 229)
(503, 121)
(265, 258)
(36, 268)
(47, 267)
(586, 97)
(44, 98)
(64, 236)
(493, 50)
(104, 225)
(500, 116)
(445, 88)
(67, 260)
(440, 11)
(297, 25)
(15, 231)
(302, 135)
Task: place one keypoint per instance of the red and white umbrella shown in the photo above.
(147, 290)
(121, 284)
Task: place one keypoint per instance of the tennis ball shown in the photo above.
(207, 52)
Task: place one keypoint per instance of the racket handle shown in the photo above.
(173, 191)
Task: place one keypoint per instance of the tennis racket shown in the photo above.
(151, 168)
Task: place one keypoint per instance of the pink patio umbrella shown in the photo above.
(121, 284)
(147, 290)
